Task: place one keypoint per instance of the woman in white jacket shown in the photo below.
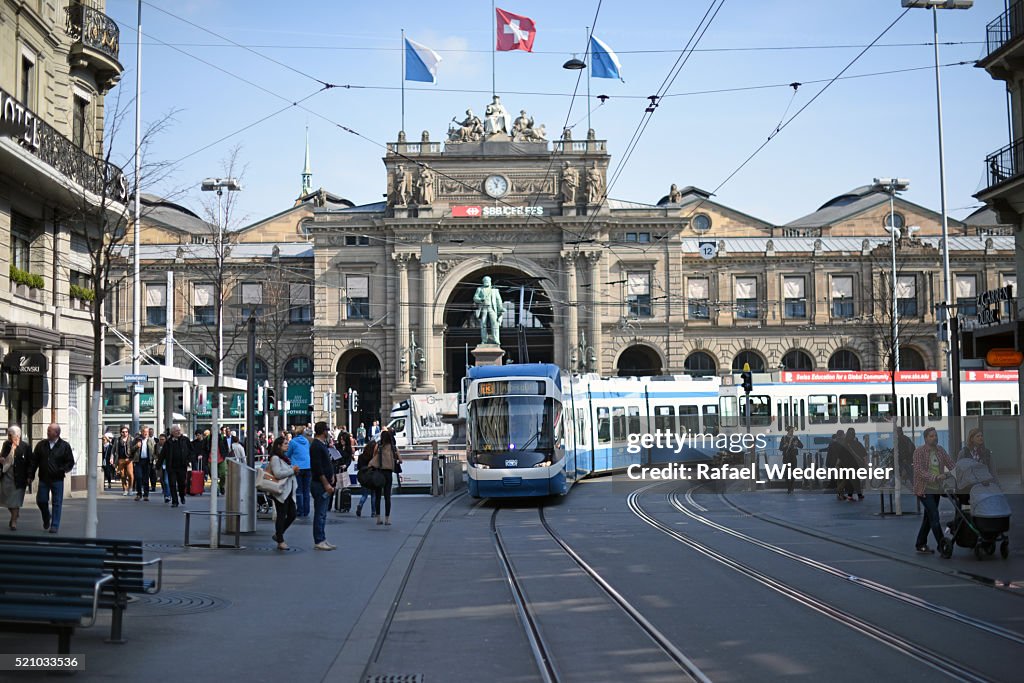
(281, 468)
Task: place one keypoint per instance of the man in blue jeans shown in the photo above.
(322, 486)
(930, 465)
(52, 459)
(298, 455)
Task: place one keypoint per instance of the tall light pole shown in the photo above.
(218, 185)
(136, 218)
(947, 284)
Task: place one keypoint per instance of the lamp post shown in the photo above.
(218, 185)
(583, 357)
(947, 286)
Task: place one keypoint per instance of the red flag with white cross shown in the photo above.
(515, 32)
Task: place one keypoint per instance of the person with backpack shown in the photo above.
(386, 460)
(52, 458)
(361, 467)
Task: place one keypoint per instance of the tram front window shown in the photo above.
(514, 423)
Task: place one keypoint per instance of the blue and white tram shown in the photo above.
(534, 431)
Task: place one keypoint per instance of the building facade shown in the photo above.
(58, 61)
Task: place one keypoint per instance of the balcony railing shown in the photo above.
(1006, 27)
(93, 29)
(42, 140)
(1006, 163)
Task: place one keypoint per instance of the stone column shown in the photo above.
(595, 337)
(572, 317)
(402, 329)
(426, 339)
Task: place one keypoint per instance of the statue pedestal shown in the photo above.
(568, 210)
(488, 354)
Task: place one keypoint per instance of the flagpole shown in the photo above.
(494, 44)
(590, 67)
(403, 80)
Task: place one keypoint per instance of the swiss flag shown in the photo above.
(515, 32)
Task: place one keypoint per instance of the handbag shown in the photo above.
(398, 466)
(266, 483)
(374, 478)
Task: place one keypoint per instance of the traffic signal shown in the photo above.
(271, 400)
(355, 400)
(337, 402)
(748, 378)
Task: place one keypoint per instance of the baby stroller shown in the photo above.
(983, 522)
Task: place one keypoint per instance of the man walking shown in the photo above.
(790, 446)
(145, 453)
(177, 454)
(322, 486)
(931, 462)
(53, 459)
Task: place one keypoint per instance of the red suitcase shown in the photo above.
(195, 483)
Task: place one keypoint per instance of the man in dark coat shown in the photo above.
(832, 456)
(790, 446)
(52, 459)
(177, 455)
(860, 459)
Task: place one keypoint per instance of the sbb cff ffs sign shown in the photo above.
(496, 211)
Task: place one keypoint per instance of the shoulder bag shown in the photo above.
(266, 483)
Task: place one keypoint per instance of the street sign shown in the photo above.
(1004, 358)
(708, 250)
(139, 388)
(135, 379)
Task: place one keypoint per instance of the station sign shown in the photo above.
(988, 304)
(496, 211)
(135, 379)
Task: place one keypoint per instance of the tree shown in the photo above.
(100, 214)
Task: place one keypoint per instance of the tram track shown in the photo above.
(868, 584)
(529, 618)
(968, 577)
(921, 653)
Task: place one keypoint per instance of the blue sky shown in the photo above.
(858, 129)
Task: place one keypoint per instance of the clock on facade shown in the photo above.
(496, 186)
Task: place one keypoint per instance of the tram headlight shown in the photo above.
(481, 466)
(545, 463)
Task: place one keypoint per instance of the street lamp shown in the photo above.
(891, 186)
(947, 291)
(583, 357)
(218, 185)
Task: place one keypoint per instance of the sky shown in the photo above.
(857, 129)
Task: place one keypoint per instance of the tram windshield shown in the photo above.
(514, 423)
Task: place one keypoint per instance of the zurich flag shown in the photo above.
(604, 62)
(420, 62)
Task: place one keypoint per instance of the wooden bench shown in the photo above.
(46, 589)
(122, 560)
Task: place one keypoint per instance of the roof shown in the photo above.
(849, 204)
(789, 245)
(157, 252)
(689, 194)
(375, 207)
(162, 213)
(322, 197)
(617, 204)
(983, 217)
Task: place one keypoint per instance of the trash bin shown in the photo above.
(241, 490)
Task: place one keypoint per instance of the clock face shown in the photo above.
(496, 186)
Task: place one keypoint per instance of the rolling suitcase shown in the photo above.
(342, 500)
(195, 483)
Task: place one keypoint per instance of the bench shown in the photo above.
(45, 589)
(122, 560)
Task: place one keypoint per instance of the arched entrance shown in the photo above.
(751, 358)
(359, 369)
(526, 328)
(639, 361)
(700, 364)
(797, 360)
(911, 359)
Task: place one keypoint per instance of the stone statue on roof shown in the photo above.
(496, 119)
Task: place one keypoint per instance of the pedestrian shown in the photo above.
(930, 461)
(790, 446)
(860, 459)
(143, 457)
(905, 449)
(361, 434)
(375, 430)
(975, 449)
(109, 461)
(284, 471)
(238, 451)
(15, 463)
(123, 450)
(52, 459)
(835, 448)
(156, 471)
(364, 462)
(322, 485)
(177, 456)
(385, 459)
(298, 455)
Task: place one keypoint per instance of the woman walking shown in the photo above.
(14, 467)
(384, 459)
(281, 468)
(361, 464)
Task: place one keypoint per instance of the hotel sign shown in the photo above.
(18, 122)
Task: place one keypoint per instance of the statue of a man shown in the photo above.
(595, 185)
(425, 188)
(496, 118)
(401, 190)
(522, 127)
(489, 311)
(570, 183)
(470, 129)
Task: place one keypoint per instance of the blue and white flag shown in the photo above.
(420, 62)
(603, 62)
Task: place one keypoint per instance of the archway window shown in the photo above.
(639, 361)
(843, 360)
(199, 371)
(911, 359)
(797, 360)
(753, 358)
(700, 364)
(262, 371)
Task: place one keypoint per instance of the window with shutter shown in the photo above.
(358, 291)
(697, 295)
(203, 310)
(300, 309)
(746, 298)
(842, 296)
(966, 294)
(906, 296)
(156, 304)
(793, 292)
(638, 294)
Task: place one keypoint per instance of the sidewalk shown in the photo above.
(256, 614)
(859, 523)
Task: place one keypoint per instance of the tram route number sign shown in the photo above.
(708, 250)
